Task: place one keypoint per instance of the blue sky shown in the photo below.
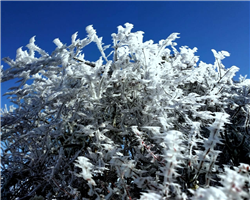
(205, 25)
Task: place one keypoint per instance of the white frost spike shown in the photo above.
(168, 41)
(128, 28)
(90, 30)
(58, 43)
(231, 73)
(73, 37)
(135, 130)
(120, 29)
(195, 49)
(20, 53)
(222, 117)
(86, 167)
(215, 53)
(31, 46)
(220, 55)
(32, 40)
(139, 35)
(225, 53)
(173, 36)
(93, 37)
(65, 58)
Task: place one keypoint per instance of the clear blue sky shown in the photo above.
(205, 25)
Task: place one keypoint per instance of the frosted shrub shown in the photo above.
(233, 186)
(149, 123)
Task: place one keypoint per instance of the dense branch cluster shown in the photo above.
(151, 123)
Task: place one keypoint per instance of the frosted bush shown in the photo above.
(145, 121)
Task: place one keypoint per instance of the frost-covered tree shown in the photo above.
(149, 123)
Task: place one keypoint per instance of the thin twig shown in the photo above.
(87, 63)
(55, 182)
